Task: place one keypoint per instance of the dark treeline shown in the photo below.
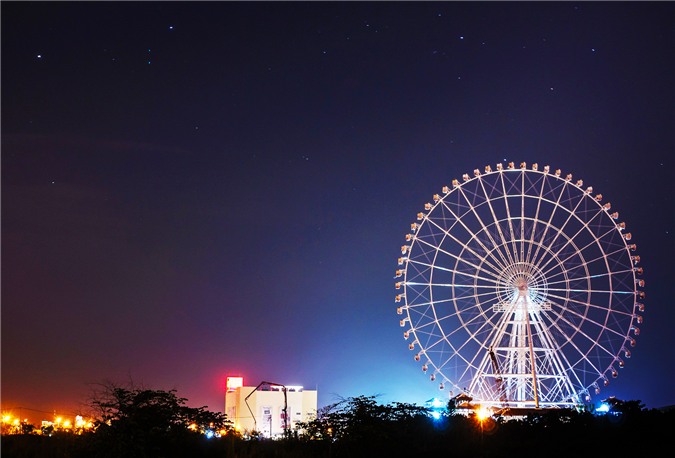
(153, 424)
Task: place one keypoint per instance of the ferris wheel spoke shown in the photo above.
(451, 360)
(491, 294)
(454, 353)
(585, 227)
(568, 339)
(593, 343)
(535, 219)
(451, 300)
(471, 292)
(502, 261)
(426, 265)
(521, 255)
(481, 305)
(472, 337)
(560, 229)
(434, 339)
(569, 265)
(559, 364)
(570, 217)
(478, 320)
(460, 243)
(551, 342)
(473, 266)
(475, 336)
(586, 320)
(473, 235)
(602, 258)
(441, 341)
(590, 291)
(435, 322)
(509, 220)
(451, 285)
(563, 284)
(458, 315)
(563, 315)
(503, 243)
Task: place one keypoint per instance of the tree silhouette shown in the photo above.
(359, 426)
(139, 423)
(149, 423)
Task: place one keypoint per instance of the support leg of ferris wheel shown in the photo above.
(521, 321)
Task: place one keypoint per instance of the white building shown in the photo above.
(265, 407)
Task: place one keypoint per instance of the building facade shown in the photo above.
(268, 408)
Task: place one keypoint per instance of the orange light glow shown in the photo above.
(483, 413)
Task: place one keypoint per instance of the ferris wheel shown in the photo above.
(519, 287)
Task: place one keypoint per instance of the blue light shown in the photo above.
(436, 408)
(209, 434)
(603, 408)
(435, 403)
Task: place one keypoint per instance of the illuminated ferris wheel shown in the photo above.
(520, 288)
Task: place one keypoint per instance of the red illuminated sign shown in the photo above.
(234, 382)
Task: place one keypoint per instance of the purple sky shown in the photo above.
(197, 190)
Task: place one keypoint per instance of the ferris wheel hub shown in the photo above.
(522, 280)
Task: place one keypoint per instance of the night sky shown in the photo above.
(195, 190)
